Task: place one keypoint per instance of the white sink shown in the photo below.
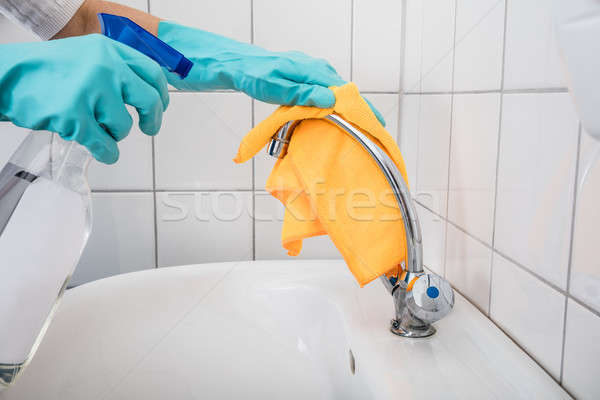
(265, 330)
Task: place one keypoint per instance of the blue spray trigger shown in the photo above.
(126, 31)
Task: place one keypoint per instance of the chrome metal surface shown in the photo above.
(280, 141)
(430, 297)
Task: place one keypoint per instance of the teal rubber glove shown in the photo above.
(78, 88)
(289, 78)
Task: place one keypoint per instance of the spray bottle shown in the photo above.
(46, 217)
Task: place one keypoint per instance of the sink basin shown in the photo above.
(265, 330)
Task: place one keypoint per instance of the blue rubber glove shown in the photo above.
(289, 78)
(78, 88)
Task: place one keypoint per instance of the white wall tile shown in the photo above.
(122, 238)
(532, 57)
(433, 151)
(377, 45)
(388, 105)
(478, 49)
(263, 163)
(413, 46)
(582, 352)
(200, 227)
(438, 42)
(536, 175)
(11, 137)
(408, 137)
(283, 25)
(11, 32)
(433, 230)
(200, 136)
(530, 311)
(473, 154)
(468, 264)
(269, 218)
(585, 263)
(133, 170)
(230, 18)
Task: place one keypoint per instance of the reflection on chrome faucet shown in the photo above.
(419, 298)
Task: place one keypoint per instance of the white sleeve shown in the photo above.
(45, 18)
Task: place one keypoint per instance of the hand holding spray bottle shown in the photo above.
(46, 217)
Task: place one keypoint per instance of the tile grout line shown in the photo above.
(498, 143)
(515, 262)
(504, 91)
(570, 262)
(252, 122)
(401, 70)
(450, 138)
(512, 339)
(153, 188)
(154, 203)
(352, 3)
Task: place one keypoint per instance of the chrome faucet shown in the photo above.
(419, 298)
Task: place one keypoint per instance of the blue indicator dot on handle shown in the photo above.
(433, 292)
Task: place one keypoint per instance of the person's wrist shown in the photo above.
(84, 22)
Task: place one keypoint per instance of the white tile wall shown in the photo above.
(437, 40)
(514, 129)
(468, 264)
(534, 209)
(429, 38)
(199, 227)
(582, 352)
(474, 146)
(530, 311)
(319, 28)
(200, 135)
(479, 42)
(123, 238)
(585, 264)
(413, 49)
(230, 18)
(532, 55)
(263, 163)
(432, 152)
(374, 66)
(433, 230)
(133, 170)
(408, 138)
(388, 105)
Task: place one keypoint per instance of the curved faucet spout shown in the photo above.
(433, 297)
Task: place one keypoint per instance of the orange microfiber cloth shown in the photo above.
(330, 185)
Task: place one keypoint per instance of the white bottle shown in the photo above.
(45, 221)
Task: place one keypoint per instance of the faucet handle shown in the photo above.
(430, 298)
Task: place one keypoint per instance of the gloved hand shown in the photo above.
(289, 78)
(78, 88)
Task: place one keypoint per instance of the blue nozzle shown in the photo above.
(128, 32)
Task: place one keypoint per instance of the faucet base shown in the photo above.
(411, 332)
